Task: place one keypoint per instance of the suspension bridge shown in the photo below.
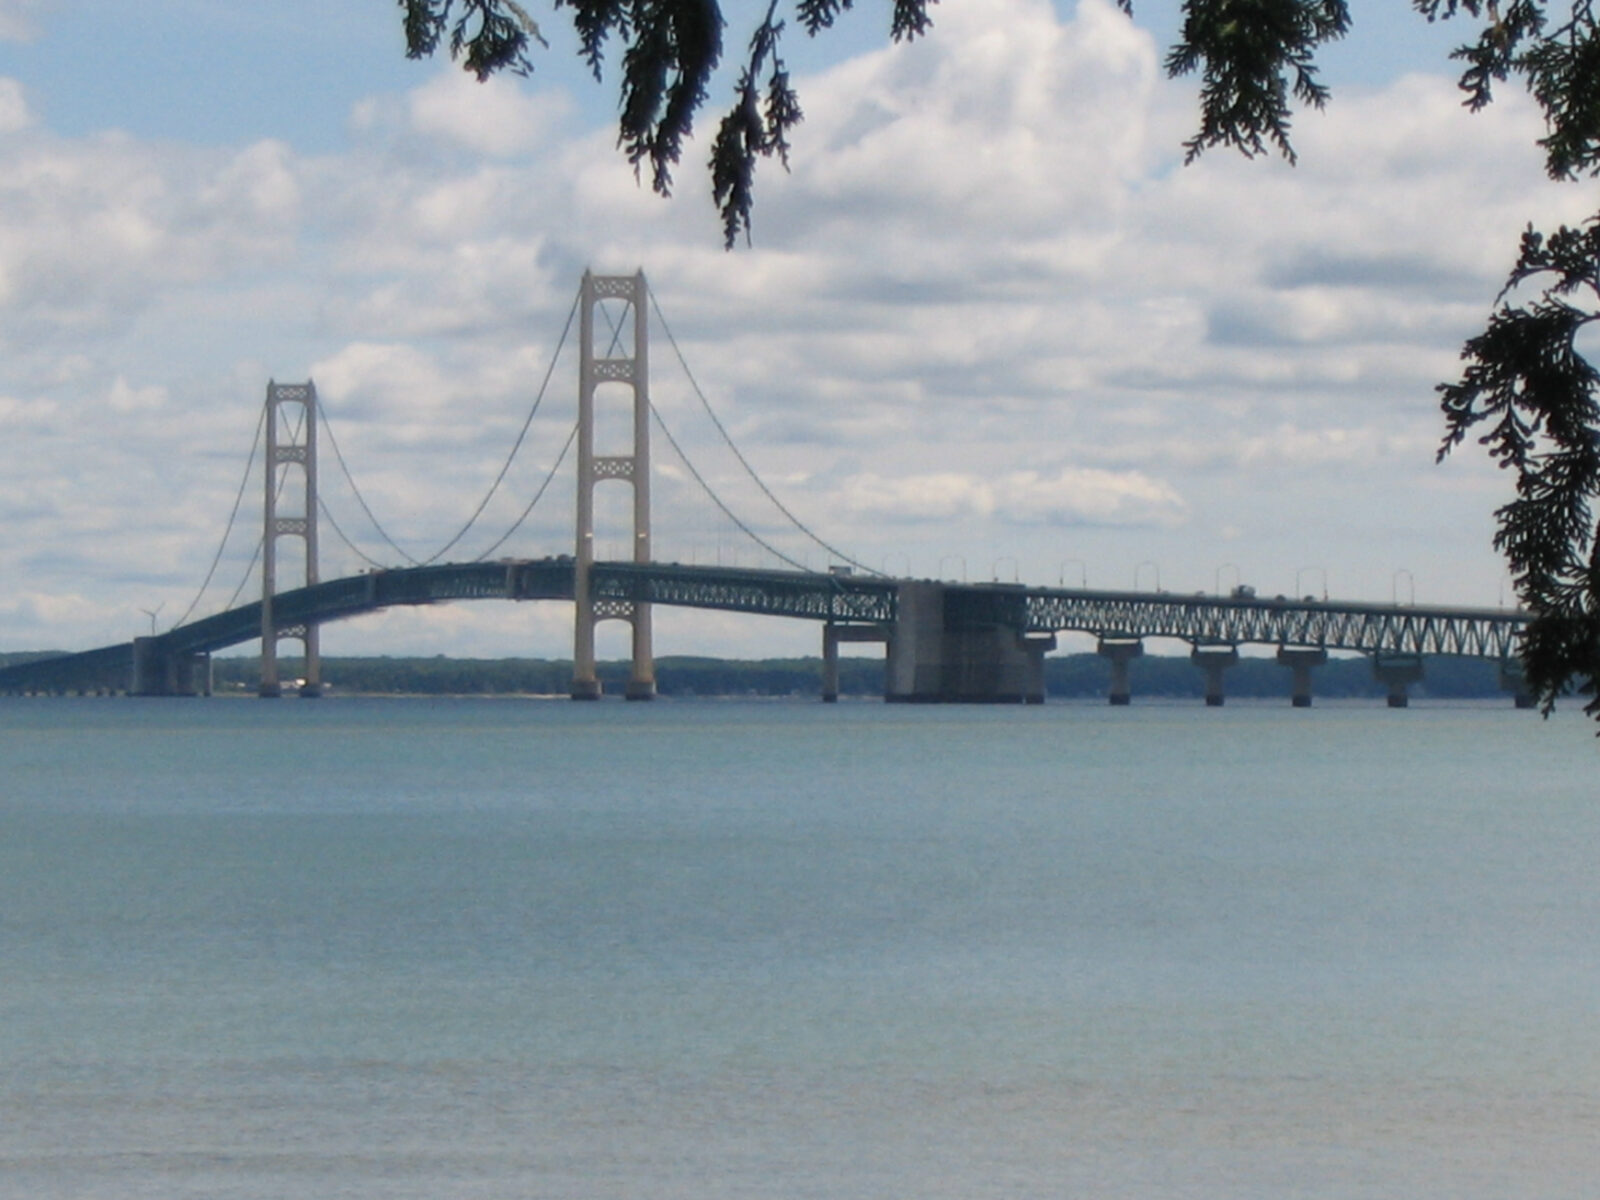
(944, 641)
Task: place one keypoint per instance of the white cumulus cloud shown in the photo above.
(1071, 496)
(14, 113)
(494, 118)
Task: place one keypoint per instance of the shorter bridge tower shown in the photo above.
(286, 450)
(598, 366)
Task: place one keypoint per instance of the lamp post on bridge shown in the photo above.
(1394, 588)
(1154, 567)
(1083, 573)
(1299, 571)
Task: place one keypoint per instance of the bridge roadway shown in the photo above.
(870, 604)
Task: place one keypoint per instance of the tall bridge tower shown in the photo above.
(285, 449)
(626, 366)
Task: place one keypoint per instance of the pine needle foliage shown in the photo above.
(670, 50)
(1528, 383)
(1252, 55)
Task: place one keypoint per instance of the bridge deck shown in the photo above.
(839, 599)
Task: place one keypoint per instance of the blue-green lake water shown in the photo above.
(410, 948)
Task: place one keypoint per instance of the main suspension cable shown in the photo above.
(717, 500)
(322, 506)
(494, 487)
(516, 447)
(537, 496)
(248, 571)
(360, 499)
(250, 459)
(743, 462)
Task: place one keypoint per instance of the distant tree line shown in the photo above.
(1066, 676)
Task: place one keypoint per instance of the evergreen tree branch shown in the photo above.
(1530, 384)
(1252, 54)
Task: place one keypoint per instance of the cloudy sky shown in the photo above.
(988, 326)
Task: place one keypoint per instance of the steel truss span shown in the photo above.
(804, 595)
(829, 598)
(1330, 624)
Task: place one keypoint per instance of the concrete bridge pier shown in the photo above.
(963, 646)
(1513, 680)
(1397, 672)
(158, 672)
(1121, 651)
(832, 635)
(1036, 646)
(1214, 659)
(1300, 660)
(642, 676)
